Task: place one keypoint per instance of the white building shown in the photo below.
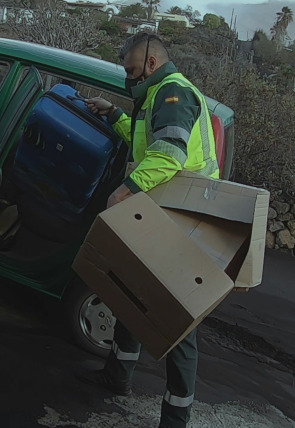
(4, 7)
(8, 8)
(134, 25)
(159, 16)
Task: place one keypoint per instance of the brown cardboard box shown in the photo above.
(227, 213)
(161, 272)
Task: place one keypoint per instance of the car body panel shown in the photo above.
(68, 63)
(17, 109)
(9, 83)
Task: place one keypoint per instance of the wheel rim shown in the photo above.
(97, 322)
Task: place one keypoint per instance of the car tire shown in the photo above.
(90, 322)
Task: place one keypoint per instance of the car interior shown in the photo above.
(57, 177)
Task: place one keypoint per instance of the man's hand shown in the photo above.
(119, 195)
(100, 106)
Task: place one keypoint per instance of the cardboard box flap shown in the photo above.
(214, 197)
(252, 268)
(219, 238)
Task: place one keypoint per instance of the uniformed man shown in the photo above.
(170, 130)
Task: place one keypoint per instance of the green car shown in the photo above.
(37, 249)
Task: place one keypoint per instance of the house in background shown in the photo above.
(8, 8)
(160, 16)
(5, 5)
(133, 25)
(112, 9)
(109, 8)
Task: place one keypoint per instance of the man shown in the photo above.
(170, 130)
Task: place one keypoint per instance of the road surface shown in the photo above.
(246, 365)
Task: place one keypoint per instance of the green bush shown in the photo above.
(110, 27)
(172, 29)
(212, 21)
(105, 51)
(137, 10)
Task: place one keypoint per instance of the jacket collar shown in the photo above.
(140, 90)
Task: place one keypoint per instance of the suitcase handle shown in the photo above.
(75, 98)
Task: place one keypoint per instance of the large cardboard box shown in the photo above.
(161, 271)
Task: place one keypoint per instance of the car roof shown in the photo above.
(69, 63)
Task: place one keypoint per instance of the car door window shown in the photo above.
(87, 91)
(4, 69)
(18, 107)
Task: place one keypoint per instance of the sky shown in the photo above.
(251, 14)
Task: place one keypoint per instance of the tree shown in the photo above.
(211, 21)
(279, 29)
(134, 10)
(175, 10)
(110, 27)
(191, 14)
(264, 49)
(152, 6)
(50, 24)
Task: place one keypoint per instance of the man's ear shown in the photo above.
(152, 63)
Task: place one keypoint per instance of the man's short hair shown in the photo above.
(137, 39)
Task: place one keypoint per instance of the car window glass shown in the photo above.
(87, 91)
(4, 68)
(20, 79)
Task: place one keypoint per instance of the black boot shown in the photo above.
(101, 378)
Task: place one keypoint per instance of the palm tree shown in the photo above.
(279, 30)
(151, 7)
(175, 10)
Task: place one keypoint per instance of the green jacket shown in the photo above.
(170, 130)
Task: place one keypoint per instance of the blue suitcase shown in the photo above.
(63, 152)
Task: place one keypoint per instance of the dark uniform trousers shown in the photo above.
(181, 370)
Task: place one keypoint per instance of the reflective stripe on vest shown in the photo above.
(124, 356)
(172, 132)
(140, 139)
(176, 401)
(169, 149)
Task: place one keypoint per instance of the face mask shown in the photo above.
(130, 83)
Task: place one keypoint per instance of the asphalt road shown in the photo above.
(246, 366)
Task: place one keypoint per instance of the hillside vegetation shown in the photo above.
(261, 93)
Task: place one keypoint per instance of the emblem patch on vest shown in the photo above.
(171, 100)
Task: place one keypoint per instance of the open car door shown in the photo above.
(15, 114)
